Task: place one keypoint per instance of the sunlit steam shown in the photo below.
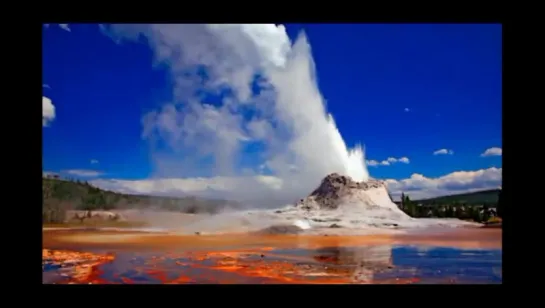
(297, 140)
(353, 159)
(316, 140)
(301, 142)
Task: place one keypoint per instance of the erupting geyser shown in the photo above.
(353, 160)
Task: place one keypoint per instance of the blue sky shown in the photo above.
(401, 90)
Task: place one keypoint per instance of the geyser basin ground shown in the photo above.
(338, 206)
(451, 256)
(343, 232)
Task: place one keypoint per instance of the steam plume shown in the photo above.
(270, 101)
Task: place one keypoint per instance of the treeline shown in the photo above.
(61, 195)
(484, 197)
(457, 208)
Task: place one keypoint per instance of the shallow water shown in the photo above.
(358, 264)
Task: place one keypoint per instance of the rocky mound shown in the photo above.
(336, 189)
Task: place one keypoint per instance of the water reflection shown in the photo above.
(457, 265)
(330, 264)
(361, 262)
(414, 264)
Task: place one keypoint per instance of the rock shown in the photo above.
(334, 187)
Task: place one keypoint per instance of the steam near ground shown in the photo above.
(301, 140)
(366, 212)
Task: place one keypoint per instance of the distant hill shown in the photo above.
(61, 195)
(488, 197)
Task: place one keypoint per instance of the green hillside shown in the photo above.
(62, 195)
(485, 197)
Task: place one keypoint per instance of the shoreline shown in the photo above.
(126, 239)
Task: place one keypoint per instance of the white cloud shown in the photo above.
(404, 160)
(443, 152)
(46, 86)
(419, 186)
(65, 27)
(83, 173)
(492, 152)
(287, 121)
(407, 109)
(48, 111)
(387, 162)
(94, 161)
(49, 173)
(268, 187)
(372, 163)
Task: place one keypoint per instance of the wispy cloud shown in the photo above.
(94, 161)
(443, 152)
(407, 109)
(83, 173)
(46, 86)
(65, 27)
(387, 162)
(492, 152)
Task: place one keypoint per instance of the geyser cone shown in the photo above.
(337, 190)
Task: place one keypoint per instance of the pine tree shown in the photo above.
(409, 206)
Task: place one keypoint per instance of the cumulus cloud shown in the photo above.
(418, 186)
(389, 161)
(269, 101)
(48, 111)
(443, 152)
(84, 173)
(492, 152)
